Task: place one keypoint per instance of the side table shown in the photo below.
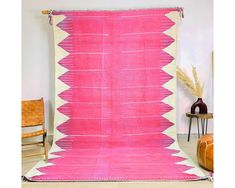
(204, 119)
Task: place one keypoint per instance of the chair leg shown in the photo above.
(45, 144)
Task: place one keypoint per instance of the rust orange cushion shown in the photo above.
(205, 151)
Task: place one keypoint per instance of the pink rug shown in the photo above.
(115, 98)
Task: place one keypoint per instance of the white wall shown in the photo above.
(196, 43)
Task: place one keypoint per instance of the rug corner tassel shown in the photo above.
(181, 11)
(50, 17)
(210, 177)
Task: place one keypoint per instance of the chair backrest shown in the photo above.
(32, 113)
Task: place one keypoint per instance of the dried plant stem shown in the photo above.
(198, 88)
(194, 87)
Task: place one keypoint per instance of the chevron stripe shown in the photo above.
(172, 32)
(171, 49)
(171, 100)
(35, 172)
(171, 84)
(170, 68)
(173, 16)
(60, 87)
(195, 170)
(171, 132)
(173, 146)
(171, 116)
(60, 53)
(60, 70)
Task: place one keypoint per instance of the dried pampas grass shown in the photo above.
(194, 87)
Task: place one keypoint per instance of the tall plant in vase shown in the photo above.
(194, 87)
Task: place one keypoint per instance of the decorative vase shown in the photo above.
(201, 105)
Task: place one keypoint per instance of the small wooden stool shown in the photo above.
(205, 152)
(204, 118)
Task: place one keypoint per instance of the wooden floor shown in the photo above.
(188, 147)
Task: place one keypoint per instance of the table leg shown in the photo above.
(206, 125)
(202, 123)
(198, 129)
(189, 130)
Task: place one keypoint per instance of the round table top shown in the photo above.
(197, 115)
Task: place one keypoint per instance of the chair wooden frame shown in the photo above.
(32, 116)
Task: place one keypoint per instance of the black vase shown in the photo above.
(201, 105)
